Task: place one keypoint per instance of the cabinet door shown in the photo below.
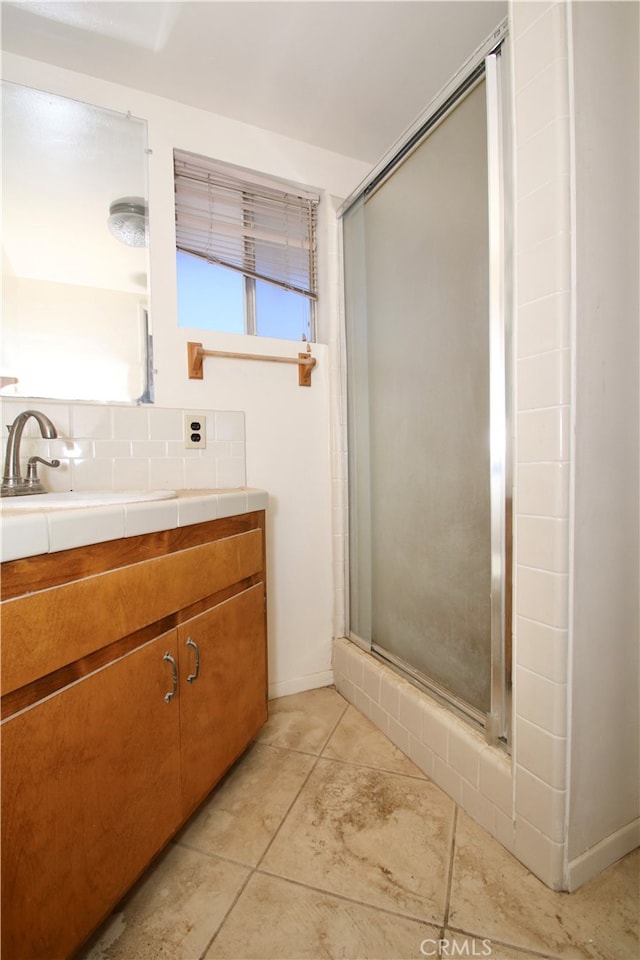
(90, 793)
(224, 703)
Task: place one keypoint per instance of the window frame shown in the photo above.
(252, 187)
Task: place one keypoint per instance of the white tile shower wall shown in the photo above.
(111, 447)
(543, 301)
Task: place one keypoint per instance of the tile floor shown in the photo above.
(324, 841)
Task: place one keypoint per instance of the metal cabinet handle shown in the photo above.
(169, 696)
(194, 676)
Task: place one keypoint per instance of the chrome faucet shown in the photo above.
(13, 483)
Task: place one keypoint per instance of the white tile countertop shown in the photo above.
(38, 528)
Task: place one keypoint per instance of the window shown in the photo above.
(246, 251)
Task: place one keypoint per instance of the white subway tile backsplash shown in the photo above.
(112, 446)
(131, 423)
(230, 473)
(131, 474)
(166, 473)
(148, 448)
(92, 474)
(199, 472)
(91, 420)
(166, 424)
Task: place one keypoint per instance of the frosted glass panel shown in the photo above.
(422, 534)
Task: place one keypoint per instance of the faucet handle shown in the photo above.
(32, 479)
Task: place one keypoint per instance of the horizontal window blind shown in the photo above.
(246, 224)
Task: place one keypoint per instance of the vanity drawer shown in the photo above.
(47, 630)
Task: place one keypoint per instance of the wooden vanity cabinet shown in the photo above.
(90, 793)
(105, 756)
(222, 690)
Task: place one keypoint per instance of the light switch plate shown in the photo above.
(195, 431)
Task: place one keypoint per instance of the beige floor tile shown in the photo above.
(173, 912)
(460, 945)
(277, 920)
(377, 837)
(492, 893)
(303, 721)
(243, 813)
(357, 740)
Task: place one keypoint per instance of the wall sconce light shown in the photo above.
(128, 221)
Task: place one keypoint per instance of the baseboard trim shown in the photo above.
(593, 861)
(283, 688)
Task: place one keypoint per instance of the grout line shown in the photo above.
(255, 869)
(452, 853)
(239, 893)
(341, 896)
(529, 952)
(394, 773)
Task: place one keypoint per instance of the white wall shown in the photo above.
(605, 670)
(287, 427)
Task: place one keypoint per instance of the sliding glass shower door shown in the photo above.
(419, 346)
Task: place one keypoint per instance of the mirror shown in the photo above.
(74, 297)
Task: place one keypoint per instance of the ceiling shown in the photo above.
(349, 77)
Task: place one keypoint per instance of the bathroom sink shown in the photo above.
(81, 498)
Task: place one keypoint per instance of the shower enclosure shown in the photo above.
(427, 345)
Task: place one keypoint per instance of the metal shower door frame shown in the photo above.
(487, 63)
